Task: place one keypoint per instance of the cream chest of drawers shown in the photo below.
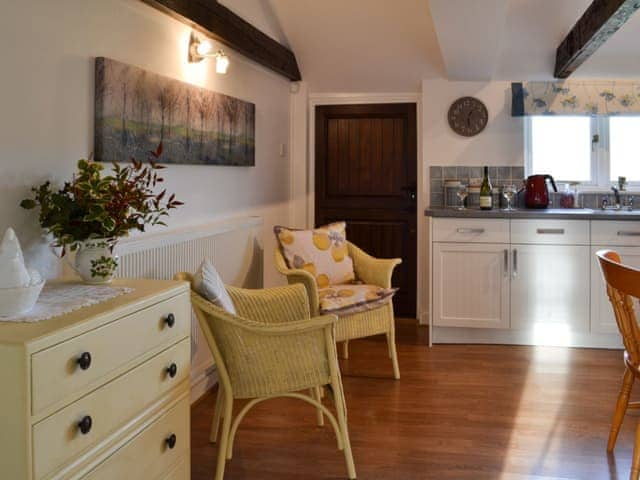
(101, 393)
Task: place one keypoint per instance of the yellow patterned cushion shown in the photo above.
(352, 298)
(322, 252)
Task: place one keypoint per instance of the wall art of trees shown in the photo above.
(135, 110)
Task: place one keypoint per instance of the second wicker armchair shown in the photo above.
(379, 320)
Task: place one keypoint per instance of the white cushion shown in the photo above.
(207, 283)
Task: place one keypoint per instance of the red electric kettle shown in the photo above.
(536, 191)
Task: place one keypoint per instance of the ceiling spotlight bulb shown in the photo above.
(222, 62)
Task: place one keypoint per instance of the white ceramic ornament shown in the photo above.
(19, 287)
(13, 272)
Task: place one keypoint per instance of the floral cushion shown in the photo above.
(347, 299)
(322, 252)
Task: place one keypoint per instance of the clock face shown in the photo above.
(468, 116)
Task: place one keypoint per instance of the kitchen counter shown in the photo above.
(548, 213)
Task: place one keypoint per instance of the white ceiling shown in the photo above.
(470, 36)
(619, 57)
(361, 45)
(391, 45)
(533, 31)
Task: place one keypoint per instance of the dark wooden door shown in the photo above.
(366, 166)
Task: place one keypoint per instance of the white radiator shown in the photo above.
(235, 248)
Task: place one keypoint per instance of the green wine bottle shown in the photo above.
(486, 195)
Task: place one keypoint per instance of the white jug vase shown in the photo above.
(95, 260)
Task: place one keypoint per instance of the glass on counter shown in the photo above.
(569, 196)
(509, 194)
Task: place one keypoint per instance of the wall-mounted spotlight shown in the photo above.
(201, 49)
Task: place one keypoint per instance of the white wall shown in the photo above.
(46, 122)
(501, 143)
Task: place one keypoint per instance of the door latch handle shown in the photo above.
(515, 263)
(411, 192)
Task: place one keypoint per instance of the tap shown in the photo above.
(616, 193)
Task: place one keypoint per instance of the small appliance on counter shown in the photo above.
(537, 192)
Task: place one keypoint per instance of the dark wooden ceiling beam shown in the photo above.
(599, 22)
(221, 24)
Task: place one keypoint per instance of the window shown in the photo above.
(594, 151)
(624, 148)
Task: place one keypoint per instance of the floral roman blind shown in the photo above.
(576, 98)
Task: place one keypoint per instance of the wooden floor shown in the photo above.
(459, 412)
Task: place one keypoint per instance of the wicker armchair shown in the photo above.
(271, 348)
(371, 270)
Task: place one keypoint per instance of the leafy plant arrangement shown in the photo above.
(93, 205)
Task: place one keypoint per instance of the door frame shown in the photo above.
(316, 99)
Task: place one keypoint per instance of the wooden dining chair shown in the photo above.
(623, 286)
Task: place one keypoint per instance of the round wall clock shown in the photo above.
(468, 116)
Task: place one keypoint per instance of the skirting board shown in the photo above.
(522, 337)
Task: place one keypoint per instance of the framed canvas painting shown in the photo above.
(135, 110)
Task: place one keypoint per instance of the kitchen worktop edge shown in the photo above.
(560, 214)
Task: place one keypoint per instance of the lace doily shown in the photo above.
(60, 298)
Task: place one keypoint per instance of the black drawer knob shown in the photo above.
(170, 320)
(172, 370)
(85, 424)
(84, 360)
(171, 441)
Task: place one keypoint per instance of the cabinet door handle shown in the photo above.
(470, 230)
(506, 262)
(550, 231)
(85, 424)
(84, 360)
(628, 233)
(172, 370)
(170, 320)
(171, 441)
(515, 263)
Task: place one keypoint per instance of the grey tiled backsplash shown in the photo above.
(506, 176)
(499, 176)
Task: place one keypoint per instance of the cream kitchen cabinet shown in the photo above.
(471, 285)
(602, 318)
(624, 238)
(550, 288)
(550, 276)
(523, 281)
(101, 392)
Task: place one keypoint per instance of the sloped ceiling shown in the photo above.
(391, 45)
(361, 45)
(619, 57)
(470, 36)
(533, 31)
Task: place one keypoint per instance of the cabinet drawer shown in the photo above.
(607, 232)
(148, 456)
(57, 376)
(550, 232)
(182, 471)
(470, 230)
(58, 439)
